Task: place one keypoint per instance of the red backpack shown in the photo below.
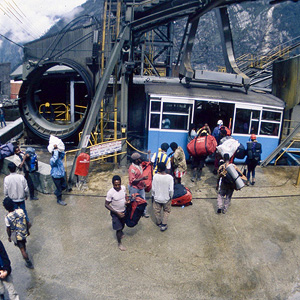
(202, 146)
(147, 171)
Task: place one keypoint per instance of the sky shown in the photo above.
(26, 20)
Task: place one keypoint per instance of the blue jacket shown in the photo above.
(57, 165)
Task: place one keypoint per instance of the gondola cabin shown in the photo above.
(172, 108)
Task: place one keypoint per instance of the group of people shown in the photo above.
(224, 187)
(167, 170)
(18, 187)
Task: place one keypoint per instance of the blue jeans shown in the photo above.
(22, 206)
(133, 190)
(60, 184)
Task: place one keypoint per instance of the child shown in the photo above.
(115, 202)
(17, 228)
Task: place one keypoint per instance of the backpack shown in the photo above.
(32, 161)
(134, 210)
(182, 196)
(253, 150)
(240, 152)
(147, 171)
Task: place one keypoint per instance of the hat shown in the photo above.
(253, 137)
(135, 156)
(164, 146)
(220, 122)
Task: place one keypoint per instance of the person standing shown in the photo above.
(136, 178)
(162, 191)
(17, 228)
(20, 160)
(161, 156)
(116, 203)
(254, 151)
(6, 281)
(198, 162)
(224, 186)
(2, 117)
(178, 162)
(58, 174)
(16, 188)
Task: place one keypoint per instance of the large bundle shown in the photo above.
(135, 210)
(147, 171)
(53, 140)
(202, 146)
(6, 150)
(229, 146)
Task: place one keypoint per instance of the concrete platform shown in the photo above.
(252, 252)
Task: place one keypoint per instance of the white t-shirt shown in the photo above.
(162, 187)
(117, 198)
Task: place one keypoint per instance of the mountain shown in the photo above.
(257, 28)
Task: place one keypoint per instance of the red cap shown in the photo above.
(253, 137)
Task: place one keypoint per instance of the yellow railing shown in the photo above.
(286, 150)
(58, 110)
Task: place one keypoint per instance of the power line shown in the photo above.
(11, 41)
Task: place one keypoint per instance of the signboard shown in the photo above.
(106, 148)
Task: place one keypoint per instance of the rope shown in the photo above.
(135, 148)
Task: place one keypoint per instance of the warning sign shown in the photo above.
(106, 148)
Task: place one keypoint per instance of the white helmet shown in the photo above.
(220, 122)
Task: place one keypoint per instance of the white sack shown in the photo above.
(55, 141)
(229, 146)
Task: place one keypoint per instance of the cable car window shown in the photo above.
(155, 106)
(176, 107)
(154, 121)
(271, 116)
(246, 121)
(175, 122)
(254, 127)
(269, 128)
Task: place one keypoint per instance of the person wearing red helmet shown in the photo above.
(254, 151)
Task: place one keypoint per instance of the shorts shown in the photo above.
(178, 174)
(117, 223)
(21, 244)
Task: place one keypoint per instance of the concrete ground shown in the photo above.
(252, 252)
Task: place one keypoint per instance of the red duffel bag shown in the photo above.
(182, 196)
(147, 171)
(202, 145)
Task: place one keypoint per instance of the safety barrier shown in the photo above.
(58, 111)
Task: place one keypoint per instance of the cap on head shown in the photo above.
(135, 156)
(164, 146)
(253, 137)
(220, 122)
(226, 157)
